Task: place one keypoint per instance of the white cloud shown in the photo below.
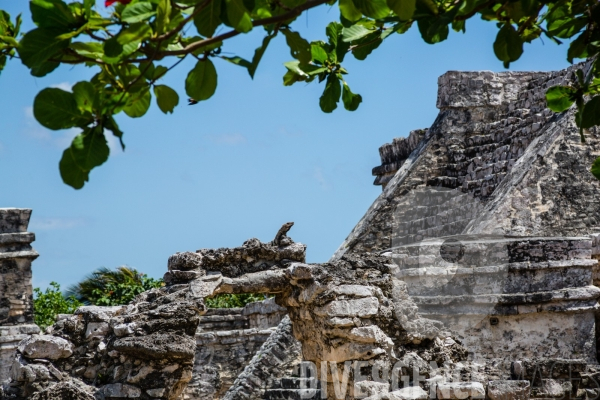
(67, 86)
(50, 224)
(228, 139)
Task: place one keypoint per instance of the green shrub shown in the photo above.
(47, 305)
(105, 287)
(233, 300)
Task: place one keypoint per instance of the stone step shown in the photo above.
(292, 394)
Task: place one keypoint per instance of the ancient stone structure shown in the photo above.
(144, 350)
(16, 303)
(226, 341)
(473, 275)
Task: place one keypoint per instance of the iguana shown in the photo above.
(281, 239)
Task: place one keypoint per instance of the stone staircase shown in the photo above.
(294, 388)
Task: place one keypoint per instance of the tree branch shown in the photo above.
(183, 23)
(261, 22)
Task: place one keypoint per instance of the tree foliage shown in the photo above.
(140, 41)
(232, 300)
(48, 304)
(105, 287)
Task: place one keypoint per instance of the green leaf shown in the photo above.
(112, 47)
(596, 168)
(560, 98)
(38, 45)
(87, 151)
(53, 14)
(134, 33)
(166, 98)
(334, 33)
(84, 94)
(88, 49)
(318, 52)
(331, 94)
(366, 45)
(163, 12)
(304, 70)
(238, 61)
(294, 67)
(375, 9)
(87, 6)
(566, 27)
(355, 32)
(299, 47)
(591, 113)
(433, 30)
(351, 100)
(110, 124)
(404, 9)
(578, 48)
(137, 12)
(508, 46)
(238, 16)
(349, 10)
(201, 81)
(138, 104)
(258, 54)
(209, 18)
(44, 68)
(159, 72)
(290, 78)
(57, 109)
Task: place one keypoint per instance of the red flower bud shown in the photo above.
(108, 3)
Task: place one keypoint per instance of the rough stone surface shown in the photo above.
(152, 358)
(508, 390)
(16, 294)
(460, 390)
(45, 346)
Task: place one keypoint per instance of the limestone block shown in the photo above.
(340, 322)
(460, 390)
(156, 392)
(75, 390)
(97, 313)
(124, 329)
(352, 351)
(551, 389)
(119, 390)
(96, 330)
(157, 346)
(408, 393)
(185, 261)
(508, 390)
(205, 286)
(353, 290)
(370, 334)
(45, 346)
(370, 388)
(364, 307)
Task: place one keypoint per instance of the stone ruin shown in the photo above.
(473, 275)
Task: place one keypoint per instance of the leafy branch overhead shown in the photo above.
(134, 44)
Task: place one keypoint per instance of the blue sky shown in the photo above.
(254, 156)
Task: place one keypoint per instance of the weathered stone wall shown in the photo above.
(144, 350)
(495, 140)
(226, 341)
(16, 301)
